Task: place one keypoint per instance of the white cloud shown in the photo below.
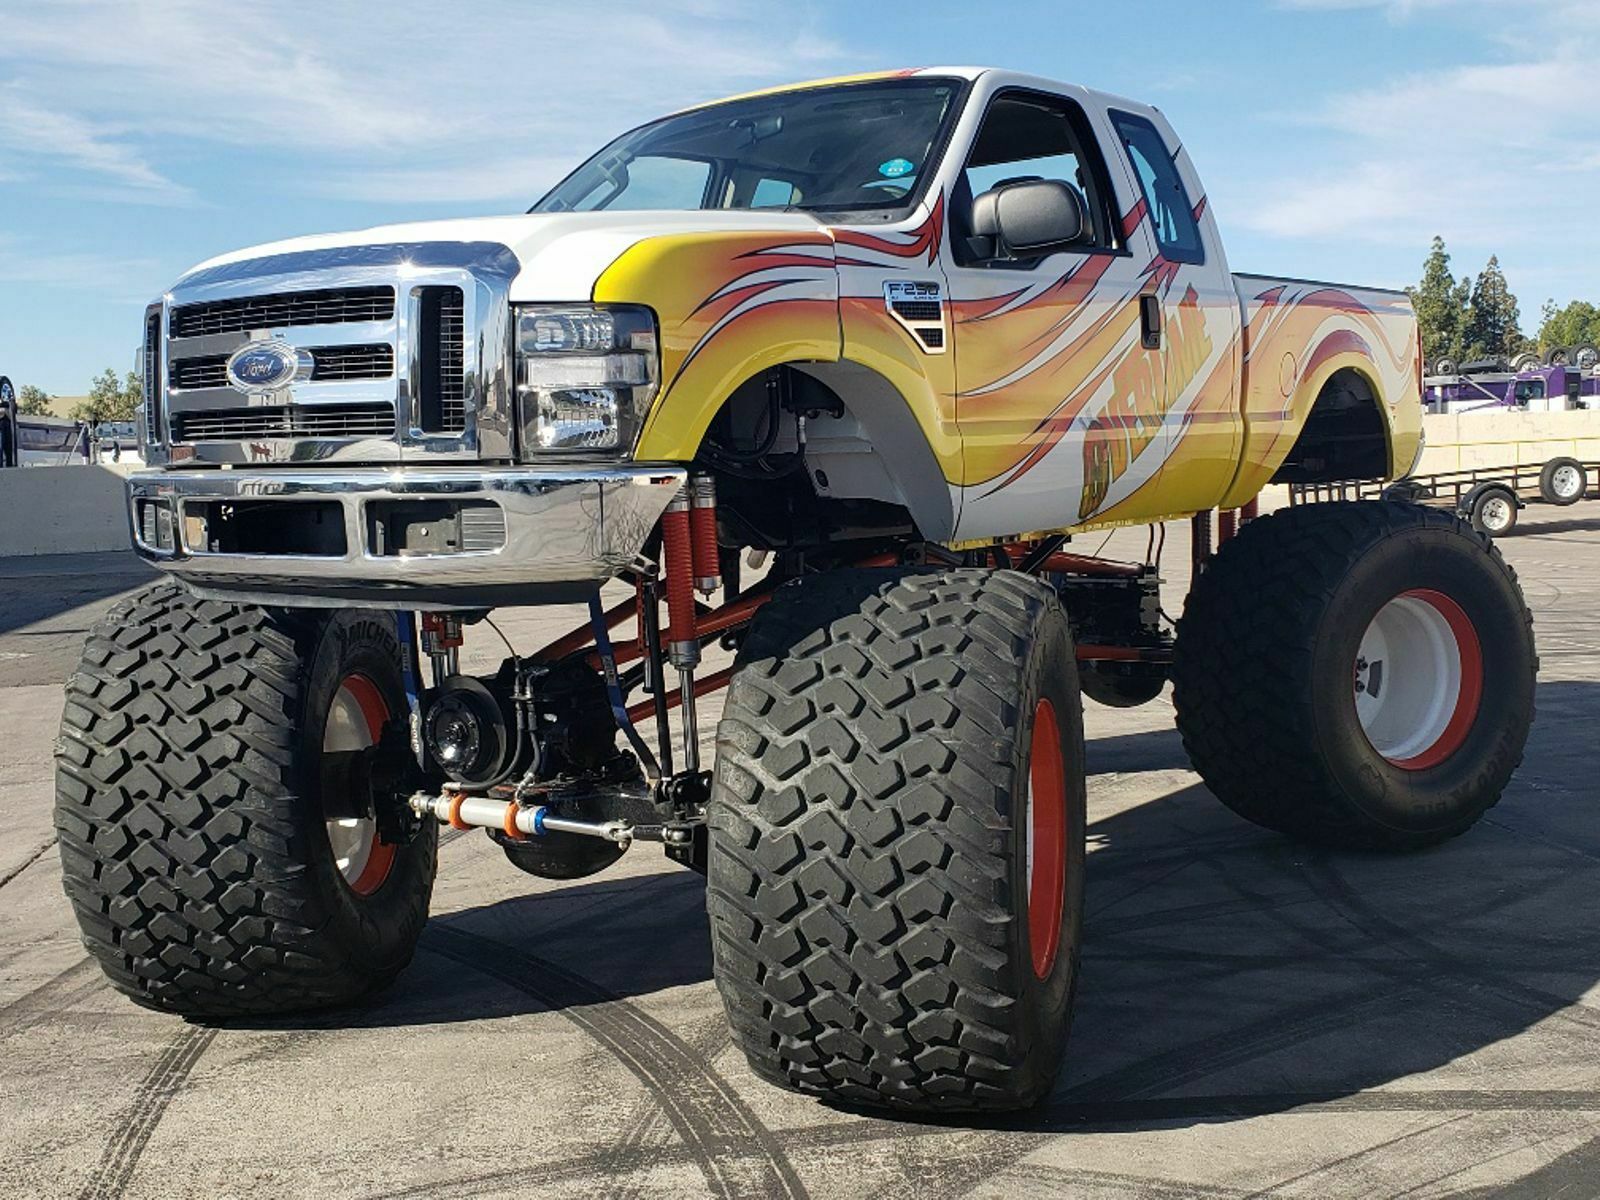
(31, 132)
(106, 276)
(1497, 158)
(365, 99)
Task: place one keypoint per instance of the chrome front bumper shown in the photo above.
(562, 532)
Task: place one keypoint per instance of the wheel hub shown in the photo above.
(1564, 482)
(1497, 513)
(1418, 679)
(355, 721)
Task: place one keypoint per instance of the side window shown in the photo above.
(649, 183)
(1171, 210)
(774, 193)
(1026, 136)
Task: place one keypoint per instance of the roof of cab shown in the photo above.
(1001, 77)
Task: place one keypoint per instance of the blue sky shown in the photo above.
(1335, 136)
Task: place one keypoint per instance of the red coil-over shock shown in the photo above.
(683, 648)
(677, 552)
(703, 525)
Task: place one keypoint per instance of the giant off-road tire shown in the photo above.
(897, 839)
(1356, 674)
(205, 875)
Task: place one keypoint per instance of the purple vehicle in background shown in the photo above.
(1565, 378)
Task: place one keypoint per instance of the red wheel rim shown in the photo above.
(374, 715)
(1047, 839)
(1432, 677)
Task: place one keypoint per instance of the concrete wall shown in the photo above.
(1462, 441)
(62, 510)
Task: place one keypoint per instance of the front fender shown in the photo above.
(729, 305)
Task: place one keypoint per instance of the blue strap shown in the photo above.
(619, 709)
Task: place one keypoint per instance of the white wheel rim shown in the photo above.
(350, 728)
(1418, 679)
(1497, 514)
(1564, 481)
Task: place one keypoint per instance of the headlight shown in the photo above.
(585, 375)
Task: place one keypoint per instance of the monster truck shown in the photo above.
(896, 338)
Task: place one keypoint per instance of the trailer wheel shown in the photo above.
(1563, 481)
(1356, 674)
(1586, 357)
(1558, 356)
(204, 849)
(1494, 511)
(897, 839)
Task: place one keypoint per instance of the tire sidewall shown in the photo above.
(380, 928)
(1051, 674)
(1450, 562)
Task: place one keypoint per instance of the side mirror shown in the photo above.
(1031, 217)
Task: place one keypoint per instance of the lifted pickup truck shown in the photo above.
(897, 338)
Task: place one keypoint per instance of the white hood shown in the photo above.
(561, 254)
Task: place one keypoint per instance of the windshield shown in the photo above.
(862, 146)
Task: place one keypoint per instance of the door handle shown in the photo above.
(1150, 321)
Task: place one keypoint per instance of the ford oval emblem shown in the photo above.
(267, 366)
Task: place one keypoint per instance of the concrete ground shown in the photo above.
(1255, 1018)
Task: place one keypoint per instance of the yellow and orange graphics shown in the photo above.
(1296, 336)
(730, 305)
(1135, 416)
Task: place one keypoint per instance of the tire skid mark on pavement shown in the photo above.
(34, 856)
(155, 1092)
(1279, 1030)
(61, 990)
(712, 1119)
(1336, 1164)
(1345, 900)
(1056, 1179)
(1283, 1029)
(138, 1121)
(1029, 1131)
(630, 1148)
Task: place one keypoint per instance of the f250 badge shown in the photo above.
(261, 367)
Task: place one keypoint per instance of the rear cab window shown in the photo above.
(1171, 209)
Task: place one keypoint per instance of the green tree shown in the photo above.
(109, 399)
(33, 401)
(1492, 326)
(1440, 303)
(1575, 324)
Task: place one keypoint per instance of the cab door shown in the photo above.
(1060, 358)
(1202, 430)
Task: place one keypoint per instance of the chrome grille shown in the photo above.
(210, 371)
(919, 310)
(452, 351)
(334, 364)
(285, 421)
(152, 371)
(331, 306)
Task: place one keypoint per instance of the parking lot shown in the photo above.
(1254, 1018)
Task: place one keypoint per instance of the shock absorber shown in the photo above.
(441, 642)
(703, 526)
(683, 647)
